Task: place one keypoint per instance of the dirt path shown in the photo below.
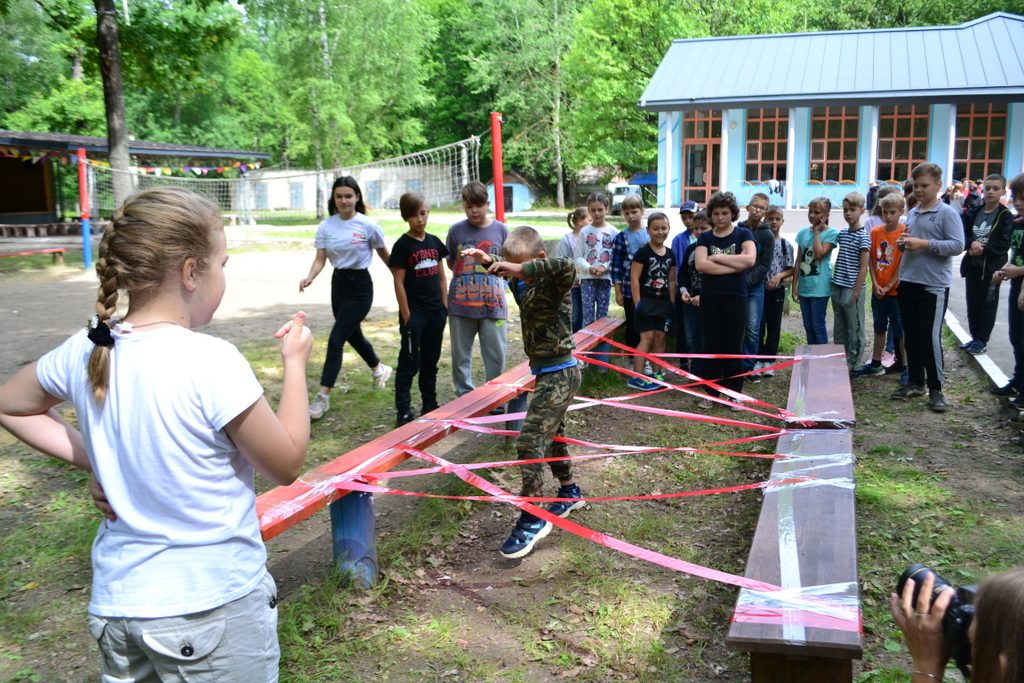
(41, 309)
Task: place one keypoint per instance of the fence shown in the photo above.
(290, 196)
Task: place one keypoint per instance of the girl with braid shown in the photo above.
(173, 424)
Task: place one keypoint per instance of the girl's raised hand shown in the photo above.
(296, 338)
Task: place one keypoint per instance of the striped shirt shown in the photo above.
(851, 244)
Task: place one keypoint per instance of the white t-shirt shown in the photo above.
(595, 249)
(186, 537)
(349, 243)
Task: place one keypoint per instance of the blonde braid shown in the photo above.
(150, 236)
(106, 305)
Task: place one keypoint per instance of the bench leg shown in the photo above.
(516, 405)
(352, 532)
(774, 668)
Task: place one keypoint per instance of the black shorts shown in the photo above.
(653, 315)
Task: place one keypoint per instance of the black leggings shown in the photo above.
(351, 298)
(771, 323)
(724, 319)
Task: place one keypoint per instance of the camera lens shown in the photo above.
(919, 572)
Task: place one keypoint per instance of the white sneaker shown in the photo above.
(648, 370)
(380, 377)
(318, 406)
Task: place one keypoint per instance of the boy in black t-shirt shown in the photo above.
(422, 295)
(652, 277)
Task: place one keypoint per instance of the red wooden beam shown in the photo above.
(285, 506)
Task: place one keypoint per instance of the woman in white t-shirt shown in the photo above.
(172, 425)
(348, 238)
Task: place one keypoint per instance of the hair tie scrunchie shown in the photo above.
(99, 333)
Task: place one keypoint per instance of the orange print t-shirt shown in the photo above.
(885, 256)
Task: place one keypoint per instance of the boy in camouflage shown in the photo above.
(546, 314)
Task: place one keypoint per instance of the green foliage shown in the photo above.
(514, 51)
(33, 55)
(72, 106)
(353, 75)
(312, 81)
(618, 46)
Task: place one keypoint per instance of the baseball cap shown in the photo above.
(689, 206)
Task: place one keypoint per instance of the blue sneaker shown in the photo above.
(524, 536)
(641, 384)
(638, 383)
(562, 509)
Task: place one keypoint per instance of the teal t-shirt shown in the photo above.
(815, 274)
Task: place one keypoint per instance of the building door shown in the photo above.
(702, 147)
(507, 198)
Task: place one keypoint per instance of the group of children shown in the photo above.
(725, 298)
(471, 306)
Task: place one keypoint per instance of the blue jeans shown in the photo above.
(813, 310)
(752, 336)
(577, 309)
(693, 331)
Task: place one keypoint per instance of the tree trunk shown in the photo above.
(314, 114)
(76, 65)
(556, 116)
(113, 98)
(325, 76)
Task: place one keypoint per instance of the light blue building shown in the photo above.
(518, 195)
(803, 115)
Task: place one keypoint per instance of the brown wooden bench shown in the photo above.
(351, 515)
(819, 393)
(56, 252)
(806, 542)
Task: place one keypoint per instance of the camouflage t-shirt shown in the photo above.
(546, 311)
(1017, 242)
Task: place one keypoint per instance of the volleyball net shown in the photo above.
(269, 195)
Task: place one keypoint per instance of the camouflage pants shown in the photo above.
(551, 397)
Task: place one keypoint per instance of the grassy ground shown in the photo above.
(37, 262)
(945, 490)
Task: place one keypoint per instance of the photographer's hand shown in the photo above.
(922, 628)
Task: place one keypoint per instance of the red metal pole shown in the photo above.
(83, 200)
(499, 176)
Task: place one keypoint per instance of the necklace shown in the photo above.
(135, 326)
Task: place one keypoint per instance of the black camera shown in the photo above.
(957, 620)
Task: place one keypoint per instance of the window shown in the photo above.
(260, 196)
(767, 144)
(902, 140)
(833, 143)
(701, 149)
(296, 195)
(702, 125)
(980, 140)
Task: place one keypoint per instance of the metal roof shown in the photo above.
(979, 60)
(140, 148)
